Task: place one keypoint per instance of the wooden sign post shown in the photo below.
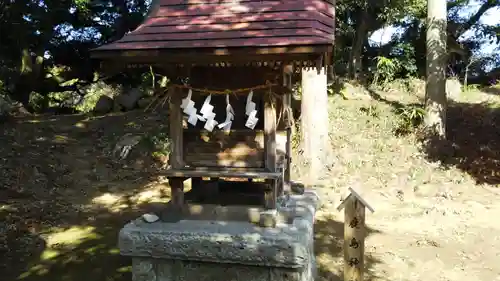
(354, 235)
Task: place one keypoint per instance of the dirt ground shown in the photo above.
(64, 197)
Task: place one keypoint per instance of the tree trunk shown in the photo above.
(355, 60)
(435, 93)
(317, 151)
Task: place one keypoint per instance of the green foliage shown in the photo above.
(94, 92)
(385, 71)
(410, 118)
(38, 102)
(296, 137)
(160, 143)
(81, 4)
(58, 99)
(5, 102)
(395, 11)
(403, 55)
(470, 88)
(150, 81)
(337, 88)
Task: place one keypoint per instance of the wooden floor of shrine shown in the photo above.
(240, 201)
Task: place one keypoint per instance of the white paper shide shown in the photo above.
(188, 108)
(251, 112)
(208, 114)
(226, 125)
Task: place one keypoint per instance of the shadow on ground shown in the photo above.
(473, 141)
(87, 250)
(53, 168)
(328, 246)
(53, 156)
(495, 90)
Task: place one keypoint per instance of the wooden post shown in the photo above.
(354, 235)
(315, 141)
(176, 129)
(287, 107)
(270, 150)
(177, 191)
(176, 155)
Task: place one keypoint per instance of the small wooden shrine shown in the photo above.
(230, 119)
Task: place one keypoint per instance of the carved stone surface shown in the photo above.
(143, 270)
(188, 270)
(212, 251)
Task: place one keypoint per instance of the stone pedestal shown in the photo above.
(200, 250)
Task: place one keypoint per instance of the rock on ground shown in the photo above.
(129, 99)
(104, 105)
(5, 107)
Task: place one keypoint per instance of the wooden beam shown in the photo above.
(221, 173)
(200, 55)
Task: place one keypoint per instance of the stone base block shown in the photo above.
(192, 250)
(144, 269)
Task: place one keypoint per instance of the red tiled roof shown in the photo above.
(194, 24)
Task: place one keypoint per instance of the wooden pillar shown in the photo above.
(177, 191)
(176, 154)
(287, 108)
(315, 141)
(270, 149)
(176, 136)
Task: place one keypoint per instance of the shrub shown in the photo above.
(94, 92)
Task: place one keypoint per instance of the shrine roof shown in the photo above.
(225, 27)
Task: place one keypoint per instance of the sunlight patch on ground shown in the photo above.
(37, 121)
(62, 139)
(108, 199)
(112, 202)
(49, 254)
(67, 251)
(150, 194)
(329, 265)
(80, 125)
(7, 207)
(38, 269)
(57, 243)
(72, 236)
